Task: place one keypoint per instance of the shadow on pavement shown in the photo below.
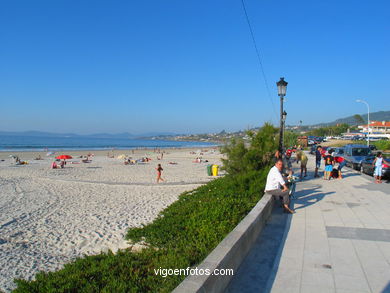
(308, 197)
(256, 269)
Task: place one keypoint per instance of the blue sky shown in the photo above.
(188, 66)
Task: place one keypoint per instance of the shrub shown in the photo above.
(241, 158)
(383, 145)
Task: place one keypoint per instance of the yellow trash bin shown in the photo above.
(214, 170)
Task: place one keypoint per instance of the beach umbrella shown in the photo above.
(64, 157)
(50, 153)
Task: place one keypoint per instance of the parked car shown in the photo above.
(313, 149)
(372, 147)
(354, 154)
(339, 151)
(368, 168)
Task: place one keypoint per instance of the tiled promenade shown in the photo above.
(338, 241)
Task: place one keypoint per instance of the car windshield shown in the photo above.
(361, 152)
(340, 151)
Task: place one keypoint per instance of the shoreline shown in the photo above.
(31, 155)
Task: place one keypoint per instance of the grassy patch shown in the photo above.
(181, 236)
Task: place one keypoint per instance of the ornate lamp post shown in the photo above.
(284, 126)
(282, 87)
(368, 118)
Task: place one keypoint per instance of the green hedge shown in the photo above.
(383, 145)
(181, 236)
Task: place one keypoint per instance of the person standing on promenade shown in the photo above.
(342, 163)
(328, 166)
(378, 161)
(318, 161)
(274, 183)
(301, 156)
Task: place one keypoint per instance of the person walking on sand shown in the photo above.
(159, 170)
(377, 163)
(274, 183)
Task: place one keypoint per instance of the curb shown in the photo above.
(230, 252)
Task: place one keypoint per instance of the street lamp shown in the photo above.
(368, 118)
(284, 116)
(284, 125)
(282, 87)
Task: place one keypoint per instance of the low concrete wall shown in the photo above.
(231, 251)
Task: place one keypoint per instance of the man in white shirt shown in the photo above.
(274, 183)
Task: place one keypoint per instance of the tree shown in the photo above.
(358, 118)
(255, 156)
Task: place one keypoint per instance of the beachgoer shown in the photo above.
(54, 165)
(318, 161)
(274, 183)
(378, 161)
(62, 164)
(328, 166)
(159, 170)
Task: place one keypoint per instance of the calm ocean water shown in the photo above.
(30, 143)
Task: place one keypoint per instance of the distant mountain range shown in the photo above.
(95, 135)
(377, 116)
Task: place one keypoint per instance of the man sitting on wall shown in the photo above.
(274, 183)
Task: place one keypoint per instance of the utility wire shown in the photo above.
(259, 58)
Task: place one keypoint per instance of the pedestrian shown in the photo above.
(377, 163)
(274, 183)
(287, 162)
(318, 161)
(301, 156)
(342, 163)
(159, 170)
(328, 166)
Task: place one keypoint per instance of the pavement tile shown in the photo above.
(305, 288)
(351, 283)
(318, 277)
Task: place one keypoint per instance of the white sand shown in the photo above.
(49, 217)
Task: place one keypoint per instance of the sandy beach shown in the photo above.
(50, 216)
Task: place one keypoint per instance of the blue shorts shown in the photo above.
(328, 168)
(318, 164)
(378, 171)
(342, 164)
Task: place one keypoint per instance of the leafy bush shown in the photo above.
(383, 145)
(256, 156)
(290, 138)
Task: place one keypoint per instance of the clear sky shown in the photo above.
(188, 66)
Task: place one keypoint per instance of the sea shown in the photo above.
(35, 143)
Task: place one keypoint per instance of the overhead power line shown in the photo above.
(259, 58)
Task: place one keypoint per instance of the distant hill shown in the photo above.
(377, 116)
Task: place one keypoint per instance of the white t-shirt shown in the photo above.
(274, 179)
